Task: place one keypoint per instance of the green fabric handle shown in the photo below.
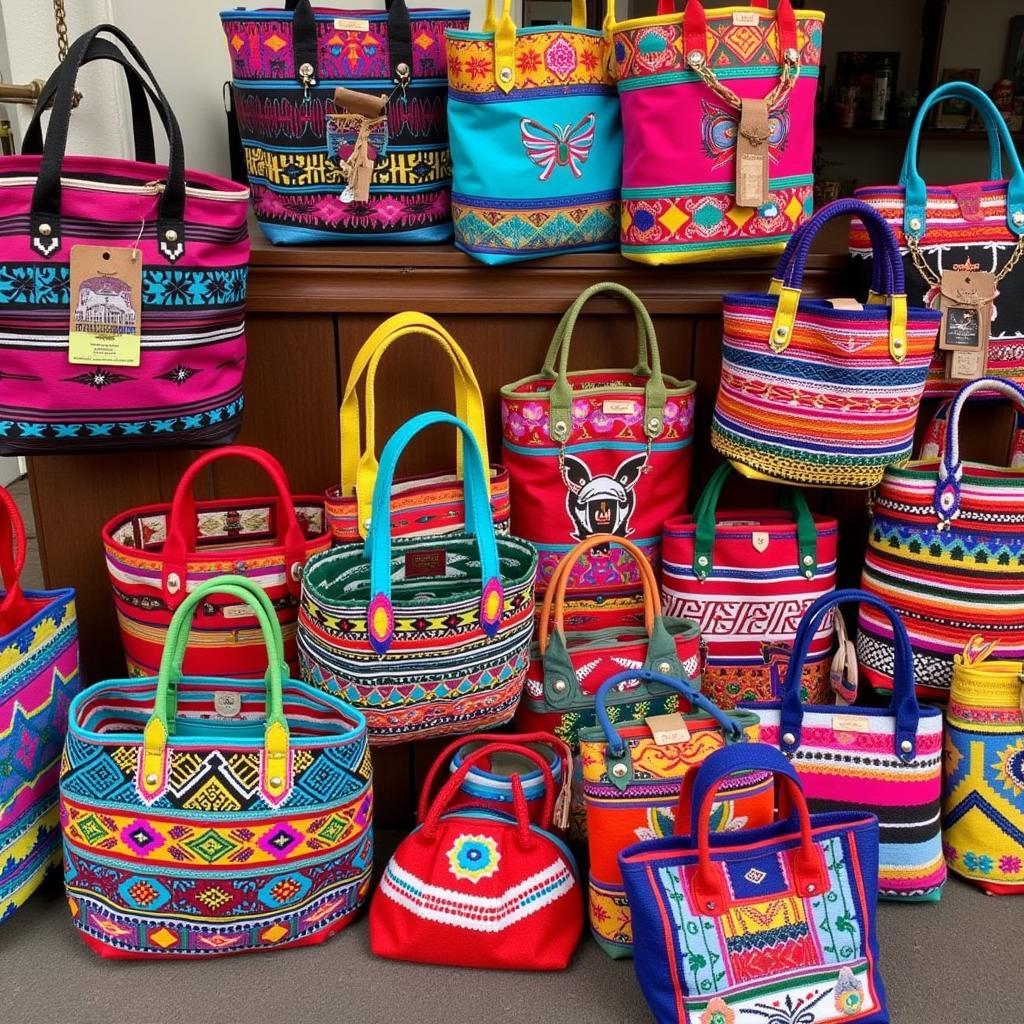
(705, 518)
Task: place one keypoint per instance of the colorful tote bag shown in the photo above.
(38, 678)
(308, 87)
(158, 554)
(887, 761)
(944, 549)
(983, 793)
(597, 451)
(536, 138)
(773, 924)
(812, 391)
(473, 888)
(122, 288)
(428, 636)
(207, 815)
(424, 505)
(746, 577)
(632, 774)
(718, 126)
(948, 231)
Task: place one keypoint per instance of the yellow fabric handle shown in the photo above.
(504, 30)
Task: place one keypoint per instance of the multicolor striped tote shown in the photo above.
(38, 678)
(814, 391)
(207, 815)
(983, 793)
(746, 577)
(974, 226)
(536, 138)
(773, 924)
(718, 122)
(884, 760)
(427, 636)
(149, 351)
(632, 773)
(287, 64)
(158, 554)
(945, 549)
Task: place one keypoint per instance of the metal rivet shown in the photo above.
(782, 331)
(710, 904)
(653, 422)
(151, 780)
(808, 559)
(171, 235)
(811, 887)
(788, 738)
(306, 70)
(664, 667)
(296, 572)
(1018, 217)
(505, 74)
(915, 223)
(702, 560)
(402, 69)
(808, 575)
(906, 746)
(560, 427)
(619, 770)
(276, 781)
(695, 58)
(560, 686)
(45, 230)
(791, 55)
(174, 583)
(366, 524)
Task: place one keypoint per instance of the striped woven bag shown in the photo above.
(884, 760)
(821, 391)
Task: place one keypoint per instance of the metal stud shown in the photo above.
(366, 524)
(276, 782)
(791, 56)
(45, 230)
(402, 70)
(906, 746)
(808, 559)
(710, 904)
(505, 74)
(808, 575)
(788, 738)
(306, 71)
(811, 887)
(1018, 217)
(173, 583)
(653, 422)
(915, 223)
(560, 686)
(781, 331)
(695, 58)
(664, 667)
(171, 235)
(560, 428)
(151, 779)
(702, 559)
(619, 770)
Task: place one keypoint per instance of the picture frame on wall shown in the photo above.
(956, 114)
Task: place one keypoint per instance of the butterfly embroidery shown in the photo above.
(719, 128)
(561, 146)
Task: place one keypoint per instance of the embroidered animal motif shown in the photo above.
(719, 129)
(560, 146)
(601, 504)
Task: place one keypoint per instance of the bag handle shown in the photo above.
(706, 525)
(275, 760)
(305, 46)
(560, 396)
(504, 29)
(358, 463)
(181, 522)
(14, 607)
(903, 705)
(695, 34)
(45, 218)
(884, 246)
(933, 443)
(916, 191)
(951, 469)
(377, 548)
(448, 791)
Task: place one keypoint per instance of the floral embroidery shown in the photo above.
(978, 862)
(1010, 865)
(718, 1012)
(474, 857)
(951, 853)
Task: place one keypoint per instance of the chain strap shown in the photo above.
(60, 17)
(788, 75)
(932, 279)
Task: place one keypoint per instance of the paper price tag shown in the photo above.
(668, 729)
(352, 24)
(106, 306)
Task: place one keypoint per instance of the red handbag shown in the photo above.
(469, 888)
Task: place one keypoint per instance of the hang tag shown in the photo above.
(227, 704)
(752, 154)
(106, 306)
(352, 24)
(563, 804)
(745, 19)
(420, 563)
(966, 295)
(356, 138)
(667, 729)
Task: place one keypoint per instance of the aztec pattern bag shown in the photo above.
(427, 636)
(718, 123)
(983, 795)
(471, 888)
(773, 924)
(425, 505)
(298, 143)
(976, 228)
(160, 257)
(884, 760)
(944, 550)
(632, 775)
(536, 138)
(205, 816)
(597, 451)
(814, 392)
(746, 577)
(38, 678)
(158, 554)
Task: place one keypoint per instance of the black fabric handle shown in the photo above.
(304, 38)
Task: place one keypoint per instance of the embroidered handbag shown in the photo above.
(746, 576)
(820, 395)
(702, 94)
(943, 549)
(427, 636)
(536, 138)
(158, 554)
(597, 451)
(303, 151)
(768, 924)
(179, 243)
(471, 888)
(632, 774)
(884, 760)
(424, 505)
(206, 815)
(983, 794)
(976, 228)
(38, 678)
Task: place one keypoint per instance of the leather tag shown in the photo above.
(752, 154)
(425, 562)
(356, 137)
(760, 540)
(227, 703)
(968, 198)
(667, 729)
(965, 300)
(106, 308)
(846, 304)
(351, 102)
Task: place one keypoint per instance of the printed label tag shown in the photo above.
(851, 723)
(668, 729)
(617, 408)
(752, 154)
(425, 562)
(966, 297)
(760, 540)
(352, 24)
(747, 19)
(227, 704)
(237, 611)
(106, 307)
